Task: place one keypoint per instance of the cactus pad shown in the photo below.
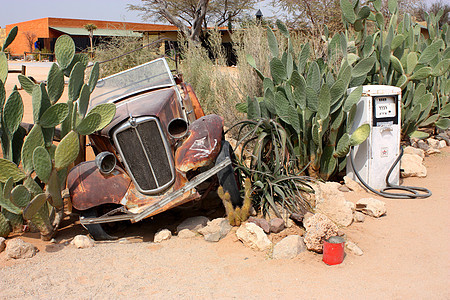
(15, 220)
(5, 229)
(84, 100)
(107, 111)
(10, 38)
(54, 189)
(3, 67)
(76, 81)
(343, 146)
(39, 101)
(54, 115)
(67, 151)
(10, 169)
(93, 77)
(64, 51)
(20, 196)
(34, 206)
(13, 113)
(55, 83)
(89, 124)
(32, 186)
(26, 83)
(42, 163)
(34, 139)
(360, 135)
(7, 188)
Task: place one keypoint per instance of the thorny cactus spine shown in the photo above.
(237, 215)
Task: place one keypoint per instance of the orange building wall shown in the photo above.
(38, 27)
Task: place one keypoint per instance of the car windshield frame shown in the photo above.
(152, 75)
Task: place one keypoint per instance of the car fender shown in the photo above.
(202, 144)
(88, 187)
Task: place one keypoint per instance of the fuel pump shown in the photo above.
(375, 162)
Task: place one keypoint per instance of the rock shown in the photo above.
(358, 217)
(253, 236)
(2, 244)
(53, 241)
(215, 230)
(421, 144)
(331, 202)
(371, 206)
(353, 185)
(82, 241)
(411, 166)
(432, 151)
(344, 188)
(17, 248)
(442, 144)
(433, 143)
(162, 235)
(297, 217)
(351, 205)
(412, 150)
(186, 234)
(289, 223)
(193, 223)
(307, 216)
(354, 248)
(276, 225)
(263, 223)
(318, 228)
(443, 137)
(289, 247)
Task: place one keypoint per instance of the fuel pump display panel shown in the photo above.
(385, 110)
(385, 107)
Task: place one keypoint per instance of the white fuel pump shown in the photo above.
(378, 156)
(379, 107)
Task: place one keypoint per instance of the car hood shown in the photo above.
(162, 104)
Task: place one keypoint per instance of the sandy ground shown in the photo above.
(406, 255)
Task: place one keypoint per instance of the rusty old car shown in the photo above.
(154, 155)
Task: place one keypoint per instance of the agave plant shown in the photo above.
(34, 190)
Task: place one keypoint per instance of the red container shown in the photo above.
(333, 250)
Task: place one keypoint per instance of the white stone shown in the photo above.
(193, 223)
(162, 235)
(82, 241)
(412, 166)
(289, 247)
(371, 206)
(412, 150)
(432, 151)
(433, 143)
(354, 248)
(186, 234)
(253, 236)
(353, 185)
(442, 144)
(17, 248)
(331, 202)
(318, 228)
(215, 230)
(358, 217)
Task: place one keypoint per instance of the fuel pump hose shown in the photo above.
(413, 191)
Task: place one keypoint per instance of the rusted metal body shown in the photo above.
(152, 163)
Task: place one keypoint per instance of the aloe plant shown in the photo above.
(34, 189)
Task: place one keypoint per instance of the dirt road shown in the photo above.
(406, 255)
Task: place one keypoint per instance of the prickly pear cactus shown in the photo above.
(33, 192)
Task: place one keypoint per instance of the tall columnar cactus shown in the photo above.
(312, 102)
(406, 57)
(34, 191)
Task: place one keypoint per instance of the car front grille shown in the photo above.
(146, 154)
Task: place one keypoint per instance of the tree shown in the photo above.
(30, 37)
(434, 8)
(91, 27)
(193, 16)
